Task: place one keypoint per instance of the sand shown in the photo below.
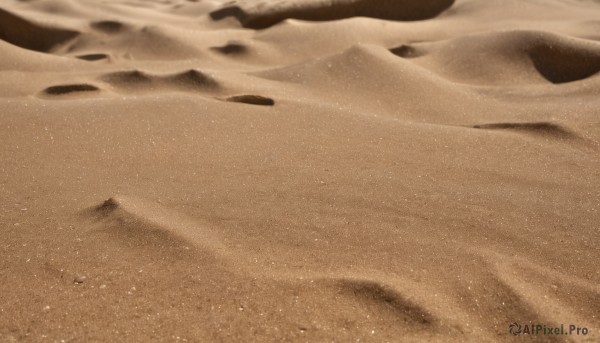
(323, 170)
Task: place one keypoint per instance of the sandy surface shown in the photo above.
(298, 171)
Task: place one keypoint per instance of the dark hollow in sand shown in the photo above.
(406, 51)
(92, 57)
(252, 100)
(231, 48)
(108, 26)
(66, 89)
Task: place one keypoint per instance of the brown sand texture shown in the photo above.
(299, 171)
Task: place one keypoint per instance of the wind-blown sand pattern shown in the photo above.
(318, 170)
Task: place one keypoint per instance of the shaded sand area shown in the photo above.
(417, 171)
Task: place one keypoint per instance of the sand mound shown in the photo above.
(135, 42)
(29, 35)
(341, 79)
(136, 217)
(15, 58)
(265, 14)
(358, 64)
(509, 57)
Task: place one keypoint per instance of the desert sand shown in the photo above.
(310, 170)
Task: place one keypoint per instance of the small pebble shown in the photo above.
(79, 279)
(102, 286)
(47, 308)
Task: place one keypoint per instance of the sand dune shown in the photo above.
(319, 170)
(531, 56)
(264, 14)
(29, 35)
